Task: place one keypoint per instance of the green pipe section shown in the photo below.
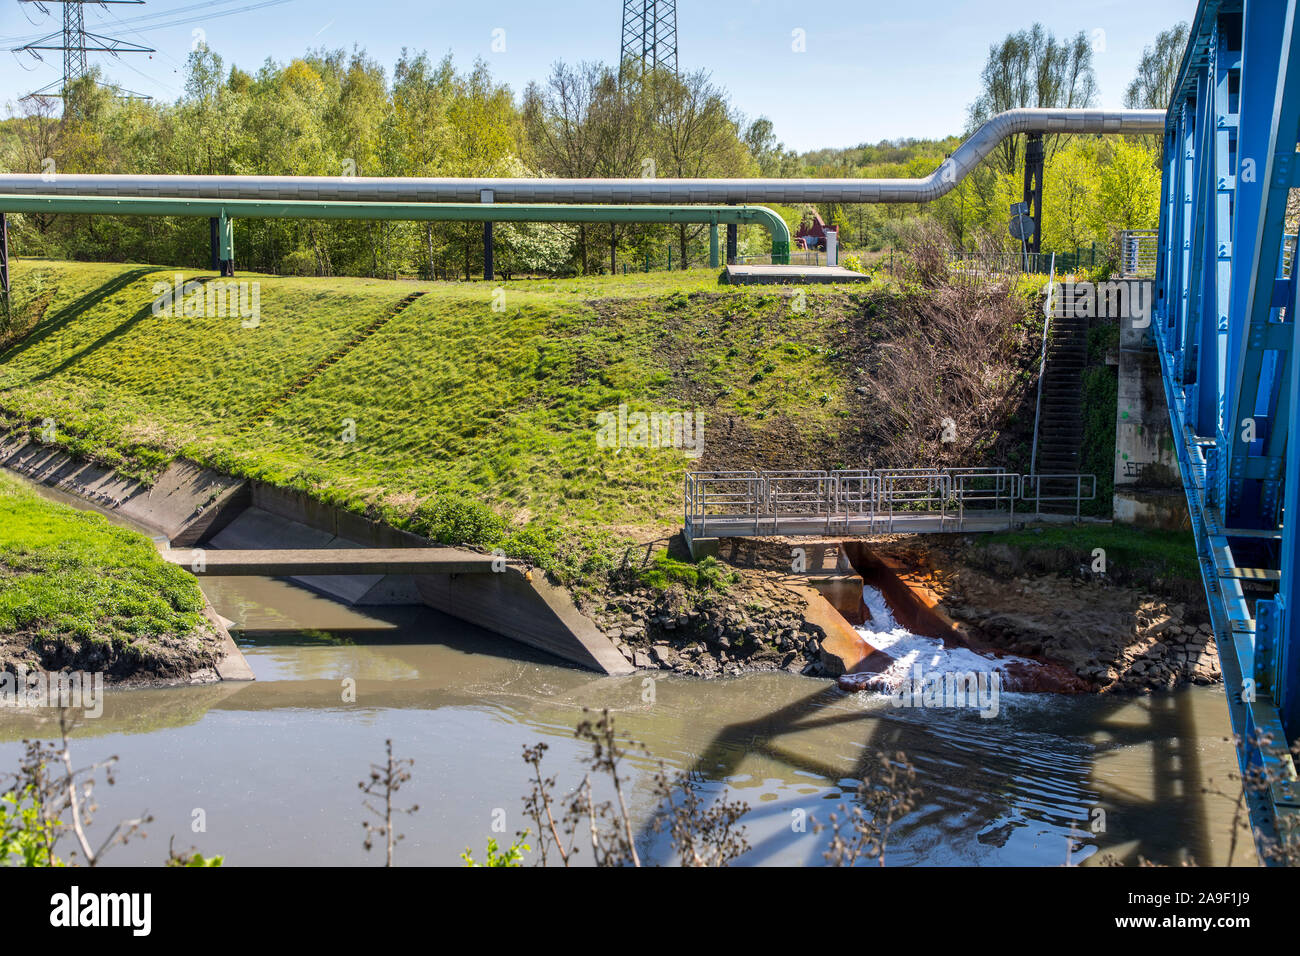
(438, 212)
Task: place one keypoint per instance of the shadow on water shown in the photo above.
(1105, 776)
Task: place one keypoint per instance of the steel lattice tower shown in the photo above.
(649, 35)
(74, 42)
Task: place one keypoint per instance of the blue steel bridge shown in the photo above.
(1225, 329)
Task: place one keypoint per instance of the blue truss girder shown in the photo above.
(1224, 316)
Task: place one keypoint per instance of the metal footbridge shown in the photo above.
(731, 504)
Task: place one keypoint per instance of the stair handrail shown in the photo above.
(1042, 363)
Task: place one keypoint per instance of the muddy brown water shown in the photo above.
(269, 769)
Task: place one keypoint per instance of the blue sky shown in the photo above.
(870, 70)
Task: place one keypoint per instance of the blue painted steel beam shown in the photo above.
(1225, 330)
(1254, 380)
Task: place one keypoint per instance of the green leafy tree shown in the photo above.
(1128, 193)
(1071, 181)
(1031, 68)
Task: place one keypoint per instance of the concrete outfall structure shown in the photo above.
(197, 513)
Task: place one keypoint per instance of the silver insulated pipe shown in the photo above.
(664, 191)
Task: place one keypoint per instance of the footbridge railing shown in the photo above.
(865, 501)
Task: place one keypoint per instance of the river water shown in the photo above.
(270, 769)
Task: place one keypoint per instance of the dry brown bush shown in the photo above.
(956, 352)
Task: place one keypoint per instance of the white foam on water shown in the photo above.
(909, 650)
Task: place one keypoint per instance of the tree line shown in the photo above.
(332, 113)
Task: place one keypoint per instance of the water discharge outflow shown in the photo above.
(909, 651)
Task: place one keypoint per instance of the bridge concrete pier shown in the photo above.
(1148, 486)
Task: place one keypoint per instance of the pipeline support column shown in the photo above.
(1033, 194)
(225, 245)
(489, 269)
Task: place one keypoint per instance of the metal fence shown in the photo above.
(1002, 262)
(798, 257)
(862, 501)
(1137, 253)
(1138, 250)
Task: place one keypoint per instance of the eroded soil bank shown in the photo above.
(1117, 637)
(1103, 636)
(758, 623)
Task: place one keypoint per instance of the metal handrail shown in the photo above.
(845, 497)
(795, 492)
(856, 487)
(1078, 497)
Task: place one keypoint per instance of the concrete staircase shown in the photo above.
(1060, 427)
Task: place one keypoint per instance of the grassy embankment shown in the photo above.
(1162, 561)
(77, 591)
(476, 424)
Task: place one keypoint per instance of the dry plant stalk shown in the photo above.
(863, 832)
(386, 779)
(701, 835)
(48, 779)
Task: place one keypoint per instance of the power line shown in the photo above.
(649, 36)
(197, 18)
(209, 14)
(74, 42)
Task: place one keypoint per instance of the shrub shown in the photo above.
(708, 575)
(451, 519)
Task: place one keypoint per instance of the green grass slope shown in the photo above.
(471, 414)
(78, 591)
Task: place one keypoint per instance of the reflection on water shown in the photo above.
(273, 765)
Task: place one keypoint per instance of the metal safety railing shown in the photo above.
(798, 257)
(1137, 253)
(742, 503)
(1058, 490)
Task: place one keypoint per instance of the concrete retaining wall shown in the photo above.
(196, 507)
(186, 504)
(1148, 489)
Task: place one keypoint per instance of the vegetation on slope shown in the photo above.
(77, 591)
(1138, 557)
(472, 417)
